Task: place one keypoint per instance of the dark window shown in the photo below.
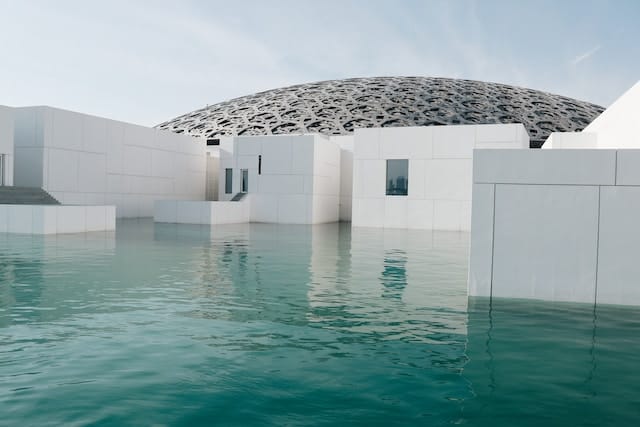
(397, 177)
(259, 165)
(2, 169)
(215, 141)
(228, 181)
(244, 184)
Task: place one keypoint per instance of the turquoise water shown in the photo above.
(293, 325)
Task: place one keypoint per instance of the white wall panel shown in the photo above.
(575, 167)
(619, 255)
(545, 242)
(481, 253)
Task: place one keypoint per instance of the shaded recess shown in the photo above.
(336, 107)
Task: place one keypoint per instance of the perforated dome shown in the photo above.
(336, 107)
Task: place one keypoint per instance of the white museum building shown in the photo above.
(557, 223)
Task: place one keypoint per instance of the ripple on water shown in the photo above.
(293, 325)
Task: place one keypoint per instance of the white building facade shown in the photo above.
(86, 160)
(561, 223)
(420, 177)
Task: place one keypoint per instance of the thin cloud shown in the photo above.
(588, 54)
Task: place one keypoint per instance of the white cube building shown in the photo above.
(420, 177)
(561, 223)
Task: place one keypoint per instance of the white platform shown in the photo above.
(202, 212)
(56, 219)
(559, 225)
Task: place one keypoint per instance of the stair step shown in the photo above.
(26, 196)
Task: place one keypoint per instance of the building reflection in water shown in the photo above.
(44, 278)
(528, 358)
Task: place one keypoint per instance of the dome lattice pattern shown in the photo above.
(336, 107)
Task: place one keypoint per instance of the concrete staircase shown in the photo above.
(25, 196)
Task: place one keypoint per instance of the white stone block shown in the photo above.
(618, 266)
(406, 142)
(96, 218)
(369, 178)
(447, 215)
(395, 212)
(417, 170)
(62, 170)
(67, 130)
(481, 253)
(249, 146)
(366, 144)
(281, 184)
(161, 163)
(325, 208)
(137, 161)
(110, 213)
(497, 133)
(264, 208)
(71, 219)
(92, 172)
(247, 162)
(575, 167)
(94, 134)
(190, 212)
(277, 155)
(628, 167)
(165, 211)
(368, 212)
(45, 219)
(420, 214)
(571, 140)
(4, 218)
(20, 219)
(545, 241)
(448, 179)
(294, 209)
(141, 136)
(453, 142)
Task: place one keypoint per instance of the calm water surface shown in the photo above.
(293, 325)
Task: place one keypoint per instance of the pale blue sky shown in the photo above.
(148, 61)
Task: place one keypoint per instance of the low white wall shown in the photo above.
(299, 181)
(440, 169)
(82, 159)
(559, 225)
(56, 219)
(198, 212)
(6, 143)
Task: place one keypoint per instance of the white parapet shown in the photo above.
(56, 219)
(202, 212)
(558, 225)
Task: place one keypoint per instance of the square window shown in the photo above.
(397, 177)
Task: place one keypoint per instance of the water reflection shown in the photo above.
(566, 364)
(271, 324)
(394, 275)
